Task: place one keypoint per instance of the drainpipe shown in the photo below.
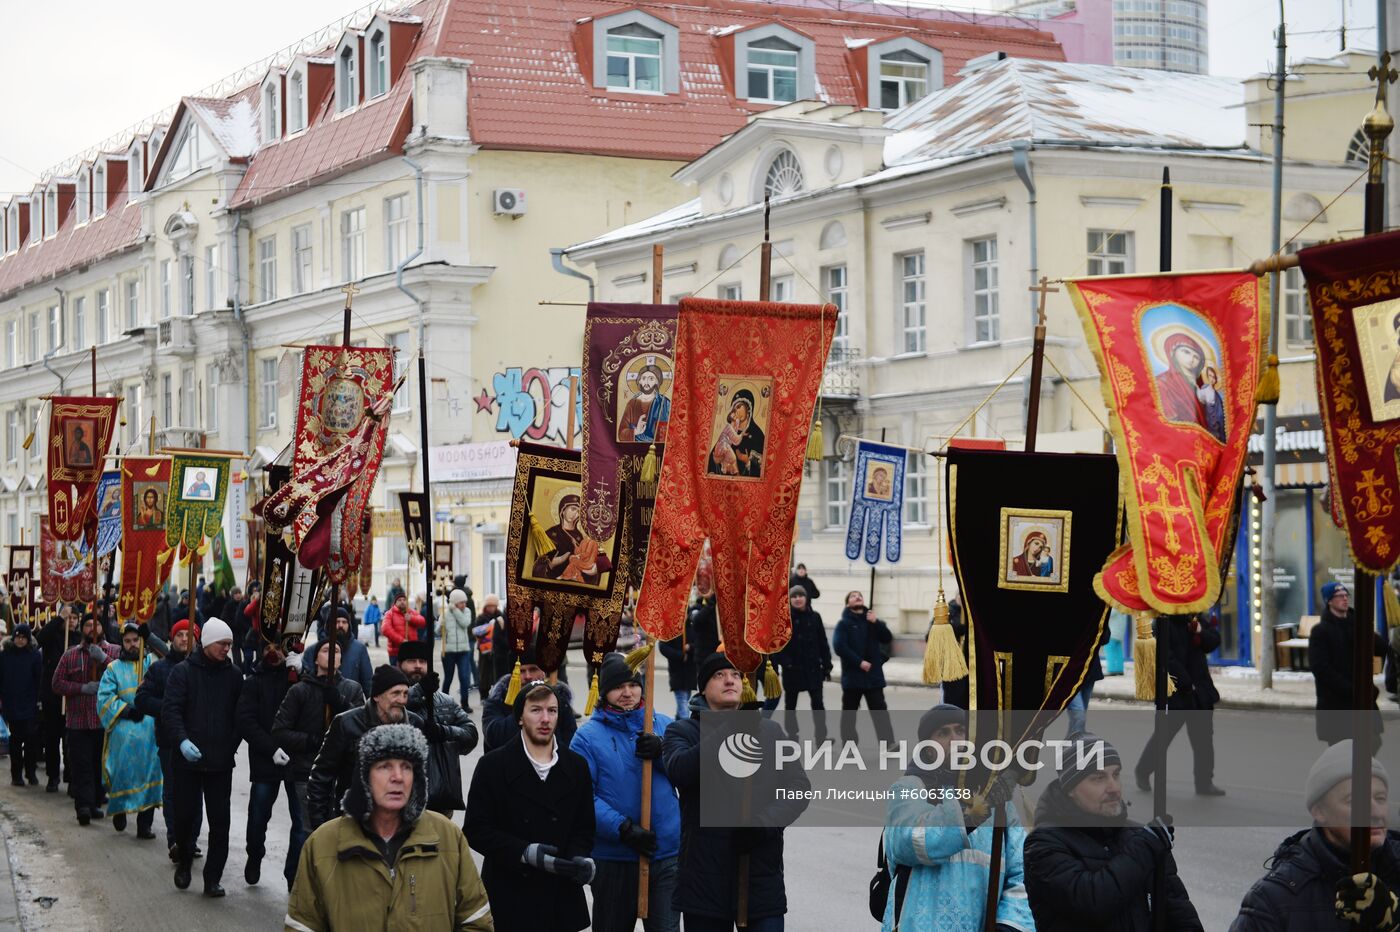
(1021, 162)
(556, 256)
(249, 426)
(53, 351)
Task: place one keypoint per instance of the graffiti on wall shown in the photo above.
(532, 404)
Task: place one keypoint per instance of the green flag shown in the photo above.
(223, 569)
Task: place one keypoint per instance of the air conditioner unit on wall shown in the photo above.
(509, 201)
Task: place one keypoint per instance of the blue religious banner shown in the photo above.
(109, 512)
(877, 502)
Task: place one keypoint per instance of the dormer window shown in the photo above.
(35, 225)
(901, 71)
(784, 175)
(136, 172)
(378, 73)
(50, 212)
(347, 76)
(99, 191)
(12, 227)
(634, 59)
(271, 110)
(296, 102)
(84, 194)
(635, 52)
(774, 65)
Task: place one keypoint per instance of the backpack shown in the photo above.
(883, 880)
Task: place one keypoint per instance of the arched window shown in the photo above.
(378, 72)
(1359, 149)
(347, 91)
(296, 102)
(784, 175)
(271, 111)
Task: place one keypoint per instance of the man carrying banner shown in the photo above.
(451, 734)
(130, 763)
(860, 641)
(79, 670)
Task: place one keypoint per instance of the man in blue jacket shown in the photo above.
(861, 641)
(613, 744)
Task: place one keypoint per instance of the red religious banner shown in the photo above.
(80, 430)
(1179, 358)
(1355, 292)
(68, 575)
(339, 445)
(745, 385)
(147, 558)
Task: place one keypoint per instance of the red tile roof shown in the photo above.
(114, 232)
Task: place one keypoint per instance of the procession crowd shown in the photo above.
(369, 763)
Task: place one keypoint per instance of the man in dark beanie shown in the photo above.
(450, 731)
(334, 770)
(530, 816)
(499, 726)
(79, 670)
(1090, 869)
(387, 861)
(265, 688)
(708, 866)
(614, 744)
(1330, 647)
(21, 679)
(150, 697)
(1310, 884)
(354, 663)
(805, 661)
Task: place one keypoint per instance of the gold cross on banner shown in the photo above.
(1044, 288)
(1369, 483)
(350, 291)
(1168, 513)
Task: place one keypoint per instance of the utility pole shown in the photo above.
(1265, 602)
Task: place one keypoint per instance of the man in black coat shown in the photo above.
(1087, 867)
(335, 765)
(150, 698)
(805, 661)
(268, 762)
(1189, 641)
(708, 873)
(59, 634)
(799, 577)
(703, 621)
(199, 719)
(500, 727)
(681, 665)
(1310, 885)
(21, 677)
(530, 816)
(860, 640)
(1330, 654)
(450, 731)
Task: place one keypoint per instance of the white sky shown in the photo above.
(88, 69)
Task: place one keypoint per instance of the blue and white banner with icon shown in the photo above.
(877, 502)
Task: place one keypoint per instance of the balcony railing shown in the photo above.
(841, 379)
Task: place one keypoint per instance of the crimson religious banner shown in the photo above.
(68, 575)
(417, 531)
(1354, 289)
(1179, 359)
(19, 579)
(557, 576)
(147, 557)
(442, 567)
(288, 588)
(628, 377)
(80, 430)
(746, 382)
(194, 501)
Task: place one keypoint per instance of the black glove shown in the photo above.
(579, 870)
(432, 730)
(131, 713)
(1163, 831)
(330, 694)
(88, 689)
(430, 683)
(648, 747)
(637, 838)
(746, 839)
(144, 630)
(1365, 899)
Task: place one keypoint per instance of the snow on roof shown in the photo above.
(680, 214)
(1055, 102)
(233, 122)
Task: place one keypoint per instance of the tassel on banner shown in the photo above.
(772, 685)
(538, 537)
(637, 656)
(1268, 391)
(651, 466)
(513, 688)
(1145, 661)
(592, 700)
(943, 659)
(816, 442)
(747, 696)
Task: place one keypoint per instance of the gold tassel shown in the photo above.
(943, 658)
(1268, 391)
(513, 688)
(592, 700)
(772, 686)
(816, 441)
(1145, 662)
(637, 656)
(1392, 605)
(538, 537)
(28, 441)
(651, 468)
(748, 696)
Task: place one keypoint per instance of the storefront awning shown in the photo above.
(1300, 475)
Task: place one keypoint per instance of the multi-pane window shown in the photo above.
(211, 276)
(133, 303)
(838, 492)
(104, 316)
(11, 343)
(834, 283)
(55, 327)
(396, 229)
(187, 397)
(301, 259)
(164, 288)
(50, 212)
(986, 315)
(187, 284)
(903, 79)
(79, 323)
(399, 343)
(634, 59)
(784, 175)
(916, 489)
(296, 103)
(84, 195)
(378, 66)
(272, 113)
(782, 289)
(211, 398)
(267, 268)
(347, 81)
(1297, 309)
(352, 244)
(12, 434)
(134, 424)
(34, 334)
(731, 292)
(912, 303)
(772, 71)
(1110, 253)
(267, 393)
(167, 401)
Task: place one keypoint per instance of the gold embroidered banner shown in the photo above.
(147, 556)
(80, 431)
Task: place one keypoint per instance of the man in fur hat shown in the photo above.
(388, 854)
